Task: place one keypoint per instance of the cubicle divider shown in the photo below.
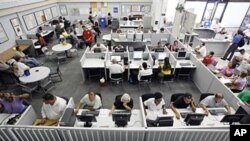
(143, 112)
(28, 117)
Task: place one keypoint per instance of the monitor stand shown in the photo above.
(121, 123)
(88, 124)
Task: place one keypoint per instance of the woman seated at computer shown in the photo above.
(165, 69)
(174, 47)
(228, 70)
(122, 102)
(144, 71)
(99, 48)
(239, 82)
(183, 102)
(214, 101)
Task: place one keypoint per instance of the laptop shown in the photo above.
(218, 112)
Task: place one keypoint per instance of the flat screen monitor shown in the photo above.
(121, 118)
(87, 118)
(117, 58)
(164, 120)
(138, 55)
(245, 110)
(97, 50)
(181, 54)
(159, 50)
(141, 48)
(162, 56)
(194, 118)
(232, 118)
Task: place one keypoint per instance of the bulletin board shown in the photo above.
(63, 10)
(3, 35)
(16, 26)
(48, 14)
(30, 21)
(40, 17)
(54, 12)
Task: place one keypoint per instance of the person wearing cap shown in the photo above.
(122, 102)
(155, 104)
(214, 101)
(90, 101)
(183, 102)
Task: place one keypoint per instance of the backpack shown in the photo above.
(242, 42)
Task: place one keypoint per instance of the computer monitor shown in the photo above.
(68, 118)
(87, 118)
(117, 58)
(181, 54)
(162, 56)
(245, 110)
(194, 118)
(121, 118)
(140, 48)
(159, 50)
(232, 118)
(97, 50)
(137, 55)
(163, 120)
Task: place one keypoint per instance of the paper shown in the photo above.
(104, 113)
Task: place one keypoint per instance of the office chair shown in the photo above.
(204, 95)
(145, 97)
(55, 72)
(166, 79)
(100, 98)
(145, 80)
(116, 78)
(46, 84)
(65, 98)
(175, 97)
(94, 72)
(61, 57)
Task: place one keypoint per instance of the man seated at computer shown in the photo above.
(52, 108)
(158, 47)
(155, 104)
(99, 46)
(123, 102)
(115, 68)
(183, 102)
(90, 101)
(144, 70)
(214, 101)
(201, 49)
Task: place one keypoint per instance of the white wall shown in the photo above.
(170, 13)
(197, 8)
(234, 14)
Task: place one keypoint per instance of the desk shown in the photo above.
(9, 53)
(105, 121)
(36, 74)
(178, 64)
(93, 63)
(61, 48)
(106, 37)
(135, 64)
(46, 32)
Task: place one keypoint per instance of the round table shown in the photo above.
(61, 48)
(36, 74)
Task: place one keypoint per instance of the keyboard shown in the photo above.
(95, 113)
(218, 112)
(185, 64)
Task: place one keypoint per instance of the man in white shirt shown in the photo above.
(155, 104)
(101, 46)
(240, 56)
(53, 107)
(214, 101)
(144, 71)
(90, 101)
(201, 49)
(216, 26)
(20, 67)
(115, 67)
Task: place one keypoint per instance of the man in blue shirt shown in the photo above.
(232, 48)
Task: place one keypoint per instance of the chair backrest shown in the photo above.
(146, 78)
(175, 96)
(99, 95)
(117, 97)
(145, 97)
(204, 95)
(65, 98)
(169, 77)
(116, 75)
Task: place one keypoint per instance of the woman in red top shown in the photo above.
(209, 59)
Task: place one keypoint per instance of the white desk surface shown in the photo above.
(208, 121)
(36, 74)
(215, 40)
(135, 64)
(106, 37)
(105, 121)
(126, 40)
(184, 61)
(46, 32)
(93, 63)
(129, 25)
(60, 47)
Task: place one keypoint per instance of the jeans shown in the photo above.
(232, 48)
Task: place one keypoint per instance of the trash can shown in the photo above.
(102, 22)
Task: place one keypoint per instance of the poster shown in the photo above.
(115, 10)
(16, 25)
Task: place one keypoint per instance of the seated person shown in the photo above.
(174, 47)
(155, 104)
(209, 59)
(245, 97)
(115, 67)
(158, 46)
(139, 29)
(90, 101)
(13, 103)
(4, 66)
(27, 60)
(223, 31)
(239, 82)
(144, 71)
(165, 69)
(240, 56)
(183, 102)
(52, 108)
(41, 40)
(39, 29)
(123, 102)
(119, 30)
(214, 101)
(19, 67)
(201, 49)
(228, 70)
(2, 109)
(101, 46)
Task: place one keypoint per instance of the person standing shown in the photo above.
(232, 48)
(87, 36)
(109, 19)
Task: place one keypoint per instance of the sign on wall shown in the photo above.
(17, 27)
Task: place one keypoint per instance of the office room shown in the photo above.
(124, 69)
